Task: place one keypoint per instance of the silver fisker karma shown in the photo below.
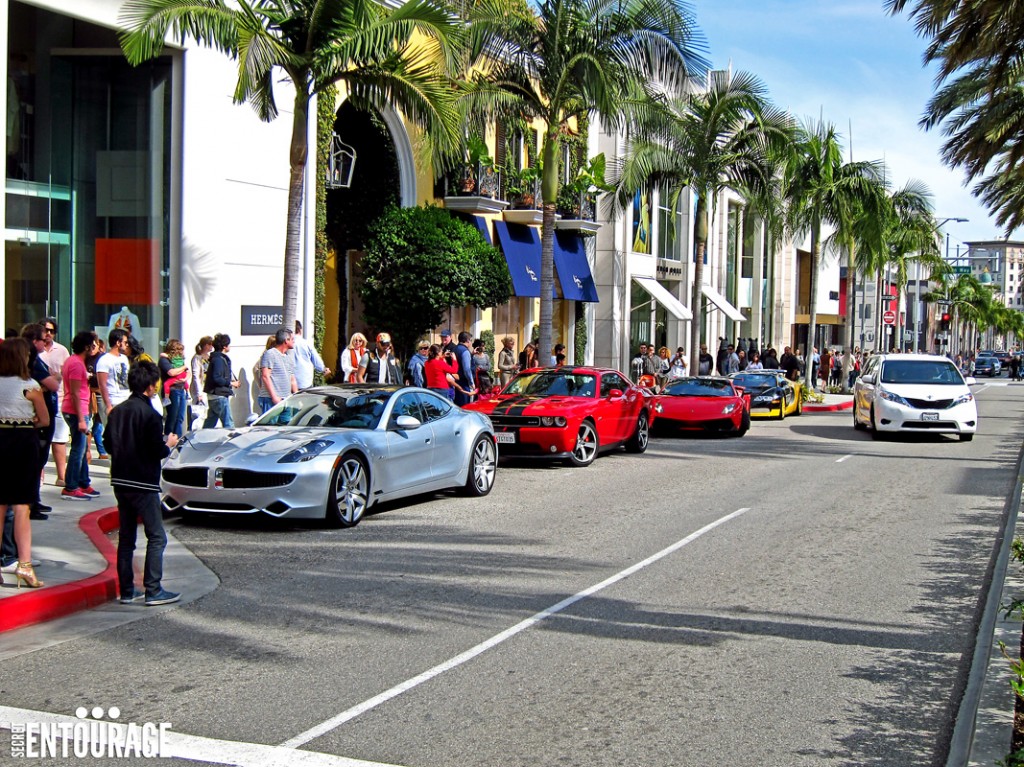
(333, 452)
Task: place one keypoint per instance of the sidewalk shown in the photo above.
(77, 551)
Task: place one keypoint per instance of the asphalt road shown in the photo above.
(802, 596)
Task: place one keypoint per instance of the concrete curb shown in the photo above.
(45, 604)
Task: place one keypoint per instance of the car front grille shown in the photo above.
(924, 404)
(236, 479)
(192, 476)
(515, 420)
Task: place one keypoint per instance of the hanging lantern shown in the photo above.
(341, 162)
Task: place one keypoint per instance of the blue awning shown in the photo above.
(479, 222)
(573, 268)
(521, 246)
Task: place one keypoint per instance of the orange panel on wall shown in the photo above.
(126, 272)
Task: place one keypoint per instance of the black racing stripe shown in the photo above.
(515, 405)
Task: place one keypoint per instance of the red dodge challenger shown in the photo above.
(569, 413)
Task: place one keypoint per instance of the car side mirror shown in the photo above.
(870, 378)
(970, 380)
(614, 393)
(407, 422)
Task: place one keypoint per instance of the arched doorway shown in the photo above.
(384, 174)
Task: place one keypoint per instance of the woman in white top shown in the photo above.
(199, 362)
(351, 356)
(22, 413)
(755, 362)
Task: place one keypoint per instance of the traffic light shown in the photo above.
(944, 321)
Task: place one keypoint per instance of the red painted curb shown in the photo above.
(48, 603)
(828, 408)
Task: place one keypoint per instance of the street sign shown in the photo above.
(961, 270)
(889, 317)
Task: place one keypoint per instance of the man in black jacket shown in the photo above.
(220, 384)
(136, 452)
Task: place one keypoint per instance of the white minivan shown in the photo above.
(914, 393)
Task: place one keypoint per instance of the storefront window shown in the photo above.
(87, 185)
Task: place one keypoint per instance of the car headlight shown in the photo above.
(306, 452)
(891, 397)
(729, 408)
(552, 420)
(963, 398)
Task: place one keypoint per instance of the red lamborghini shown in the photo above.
(569, 413)
(705, 404)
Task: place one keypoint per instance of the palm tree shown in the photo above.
(821, 191)
(580, 56)
(979, 101)
(724, 137)
(911, 234)
(860, 234)
(381, 55)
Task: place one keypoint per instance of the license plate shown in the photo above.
(505, 437)
(929, 416)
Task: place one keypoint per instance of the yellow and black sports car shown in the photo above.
(772, 395)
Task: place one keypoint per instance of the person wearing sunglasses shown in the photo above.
(380, 366)
(55, 355)
(351, 356)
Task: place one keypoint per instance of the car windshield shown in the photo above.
(754, 380)
(551, 383)
(700, 387)
(984, 360)
(358, 408)
(936, 372)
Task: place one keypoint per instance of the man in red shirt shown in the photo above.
(75, 409)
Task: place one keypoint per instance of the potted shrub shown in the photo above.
(521, 186)
(478, 164)
(576, 199)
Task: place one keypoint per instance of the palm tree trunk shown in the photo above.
(851, 292)
(297, 159)
(549, 191)
(812, 308)
(700, 236)
(879, 340)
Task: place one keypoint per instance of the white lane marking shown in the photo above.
(336, 721)
(844, 458)
(196, 748)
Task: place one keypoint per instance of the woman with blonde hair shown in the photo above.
(507, 363)
(175, 375)
(661, 367)
(22, 412)
(351, 356)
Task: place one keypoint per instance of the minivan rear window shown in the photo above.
(921, 372)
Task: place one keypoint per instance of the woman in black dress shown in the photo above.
(22, 412)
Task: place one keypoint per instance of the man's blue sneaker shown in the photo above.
(162, 597)
(135, 596)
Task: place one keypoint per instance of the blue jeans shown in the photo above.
(218, 408)
(97, 434)
(131, 506)
(76, 476)
(264, 404)
(174, 417)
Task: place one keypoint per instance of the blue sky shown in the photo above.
(858, 68)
